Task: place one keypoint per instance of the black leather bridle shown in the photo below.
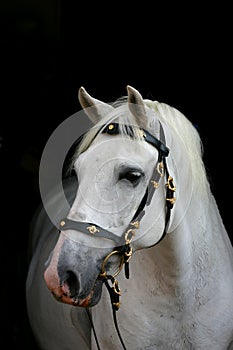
(123, 247)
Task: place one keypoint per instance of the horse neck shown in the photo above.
(197, 248)
(196, 235)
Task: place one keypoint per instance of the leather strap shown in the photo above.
(89, 228)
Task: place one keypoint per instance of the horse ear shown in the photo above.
(98, 108)
(137, 107)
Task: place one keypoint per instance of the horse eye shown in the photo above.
(132, 176)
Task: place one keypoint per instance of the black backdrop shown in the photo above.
(50, 48)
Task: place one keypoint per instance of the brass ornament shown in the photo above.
(129, 236)
(155, 183)
(141, 133)
(171, 200)
(92, 229)
(116, 288)
(160, 169)
(170, 184)
(135, 224)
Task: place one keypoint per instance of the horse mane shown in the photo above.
(188, 135)
(170, 116)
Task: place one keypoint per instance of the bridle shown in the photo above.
(123, 244)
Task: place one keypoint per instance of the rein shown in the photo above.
(123, 248)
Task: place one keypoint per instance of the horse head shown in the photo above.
(120, 163)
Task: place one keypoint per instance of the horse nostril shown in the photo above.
(70, 285)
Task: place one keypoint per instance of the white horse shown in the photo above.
(143, 203)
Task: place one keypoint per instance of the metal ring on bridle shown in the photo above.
(103, 272)
(130, 232)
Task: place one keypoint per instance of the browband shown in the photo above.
(113, 129)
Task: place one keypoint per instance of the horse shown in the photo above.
(141, 258)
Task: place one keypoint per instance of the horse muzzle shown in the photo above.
(63, 293)
(73, 272)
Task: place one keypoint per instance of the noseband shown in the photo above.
(123, 247)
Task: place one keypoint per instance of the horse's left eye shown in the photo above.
(132, 176)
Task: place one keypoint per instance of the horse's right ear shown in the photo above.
(94, 109)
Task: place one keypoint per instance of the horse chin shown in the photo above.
(94, 296)
(90, 300)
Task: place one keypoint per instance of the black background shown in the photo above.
(49, 48)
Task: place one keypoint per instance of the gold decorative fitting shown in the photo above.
(129, 254)
(135, 224)
(160, 169)
(62, 223)
(92, 229)
(171, 200)
(117, 305)
(170, 184)
(111, 126)
(130, 232)
(155, 184)
(115, 287)
(103, 274)
(141, 133)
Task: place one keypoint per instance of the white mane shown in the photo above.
(187, 134)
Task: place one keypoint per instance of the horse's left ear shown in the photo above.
(94, 109)
(137, 107)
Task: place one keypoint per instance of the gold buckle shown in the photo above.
(170, 184)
